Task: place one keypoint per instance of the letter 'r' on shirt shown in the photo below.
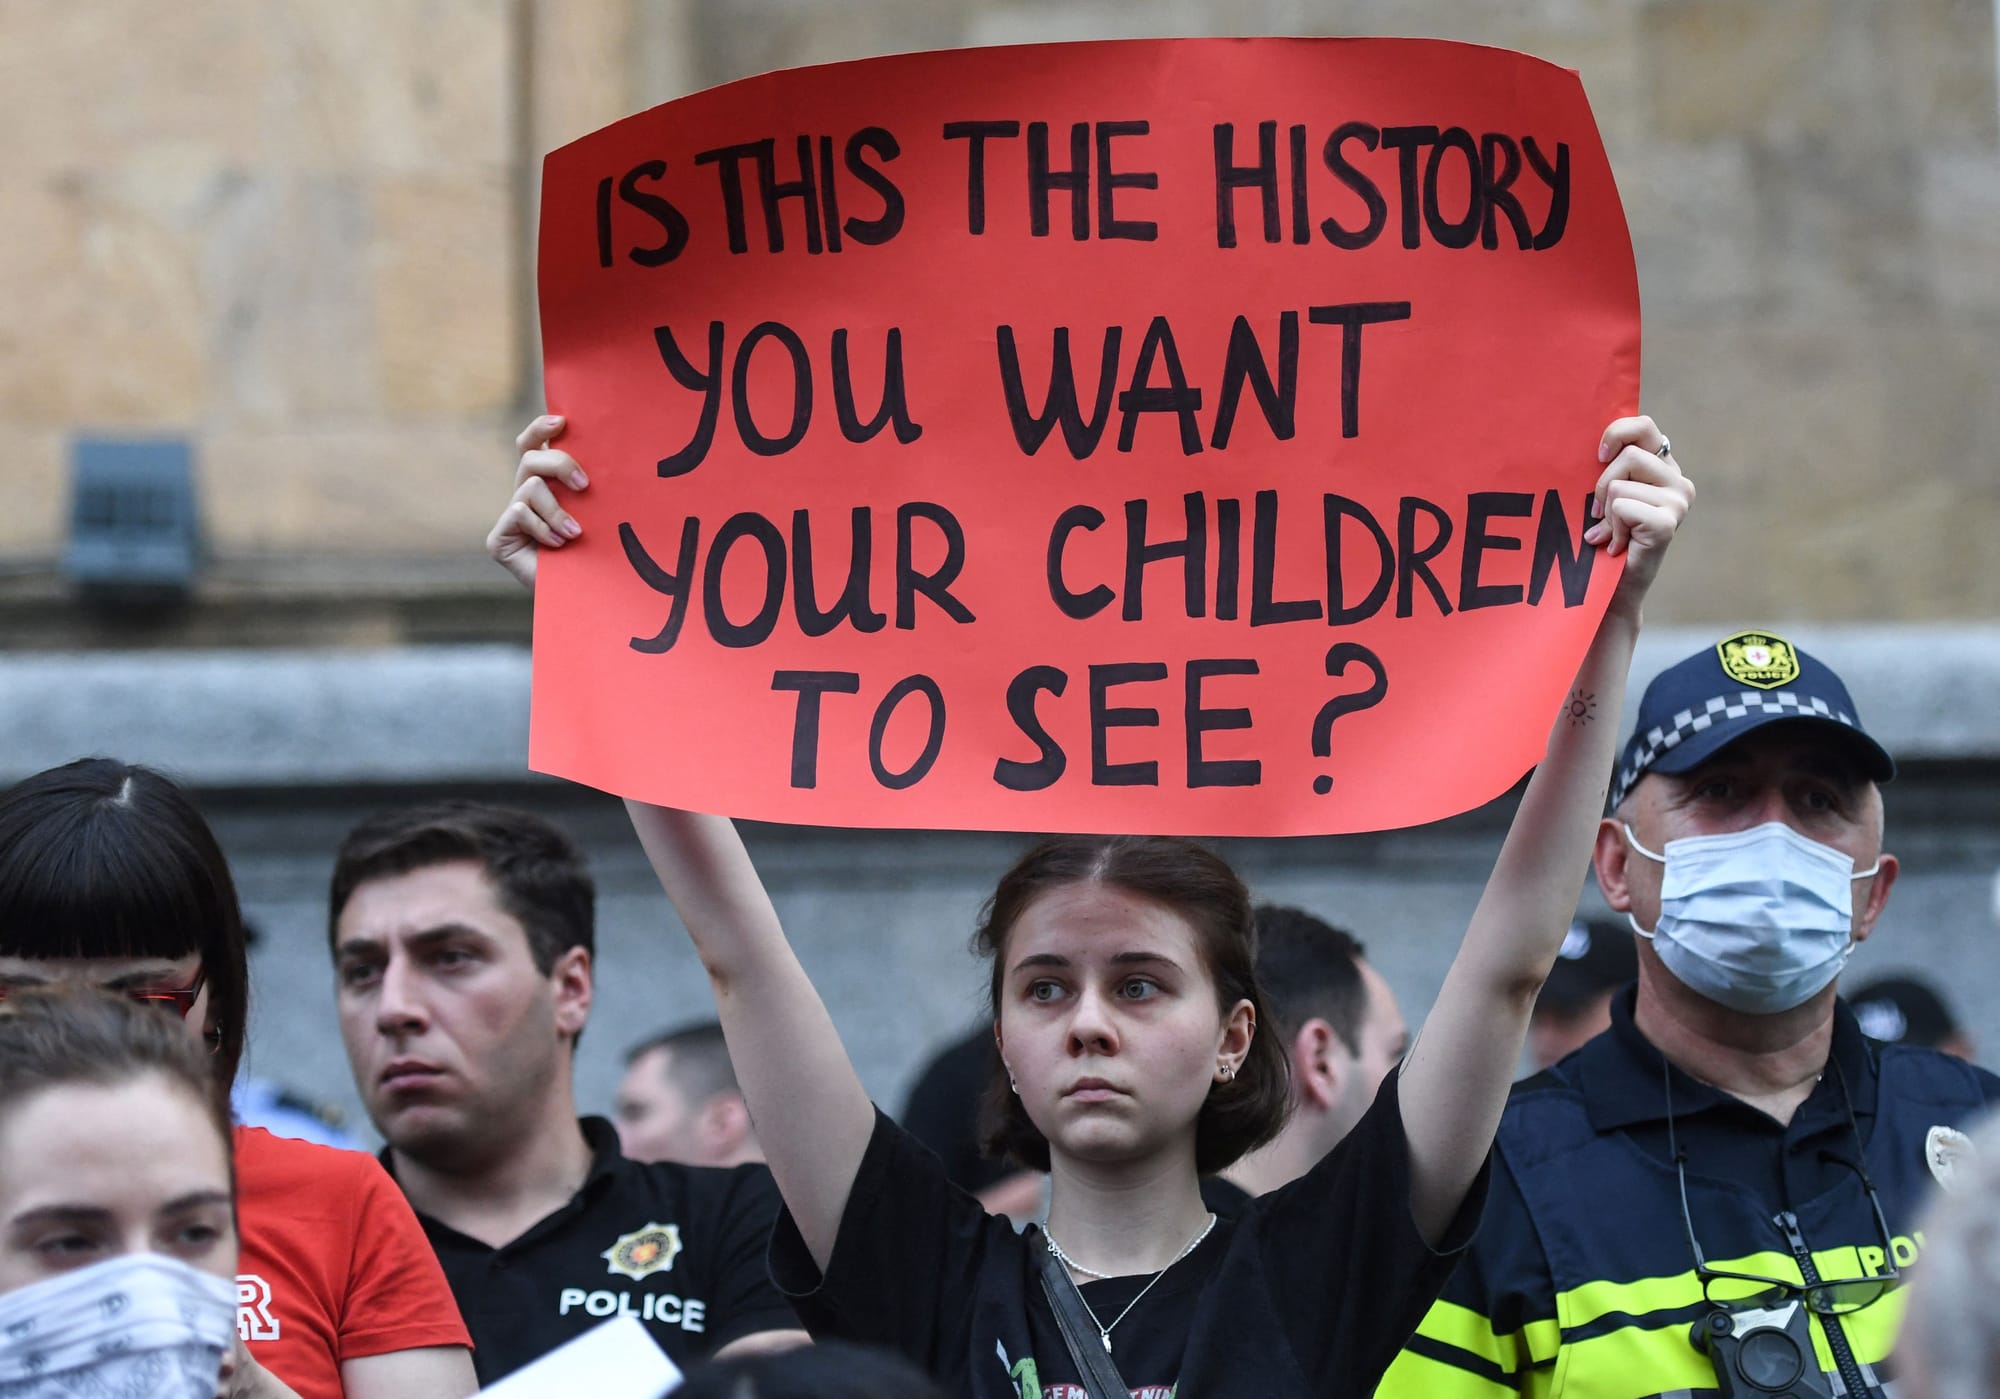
(333, 1266)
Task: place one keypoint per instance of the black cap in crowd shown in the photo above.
(1596, 956)
(1723, 692)
(1902, 1010)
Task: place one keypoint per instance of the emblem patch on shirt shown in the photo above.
(1758, 659)
(644, 1252)
(1945, 1148)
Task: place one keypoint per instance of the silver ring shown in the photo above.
(1666, 446)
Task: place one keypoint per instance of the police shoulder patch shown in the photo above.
(1945, 1149)
(1758, 659)
(644, 1252)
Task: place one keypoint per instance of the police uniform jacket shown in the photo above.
(1581, 1280)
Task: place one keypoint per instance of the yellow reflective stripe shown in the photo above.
(1582, 1305)
(1635, 1362)
(1871, 1332)
(1414, 1376)
(1771, 1263)
(1665, 1359)
(1464, 1329)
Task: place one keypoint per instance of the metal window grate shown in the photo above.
(135, 531)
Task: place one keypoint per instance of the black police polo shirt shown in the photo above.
(679, 1247)
(1724, 1137)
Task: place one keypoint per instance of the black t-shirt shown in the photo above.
(1224, 1197)
(1307, 1293)
(679, 1247)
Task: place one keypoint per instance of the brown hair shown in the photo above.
(1196, 884)
(1313, 971)
(100, 858)
(51, 1036)
(697, 1060)
(537, 872)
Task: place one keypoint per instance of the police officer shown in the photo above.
(1721, 1191)
(463, 942)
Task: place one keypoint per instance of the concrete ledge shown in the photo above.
(257, 718)
(252, 718)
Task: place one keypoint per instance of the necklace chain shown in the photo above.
(1071, 1263)
(1103, 1330)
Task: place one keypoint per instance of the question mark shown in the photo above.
(1337, 657)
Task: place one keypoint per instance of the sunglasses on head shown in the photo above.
(179, 999)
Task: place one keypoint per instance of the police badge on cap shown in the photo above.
(1720, 693)
(1755, 658)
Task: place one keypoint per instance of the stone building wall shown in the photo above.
(301, 234)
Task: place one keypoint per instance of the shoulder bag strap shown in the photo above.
(1101, 1379)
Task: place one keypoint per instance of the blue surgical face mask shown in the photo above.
(1759, 920)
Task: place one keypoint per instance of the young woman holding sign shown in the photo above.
(1127, 1013)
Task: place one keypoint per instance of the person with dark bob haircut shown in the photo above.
(107, 860)
(1127, 1016)
(110, 877)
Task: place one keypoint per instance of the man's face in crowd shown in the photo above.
(656, 1122)
(1797, 774)
(457, 1040)
(1381, 1043)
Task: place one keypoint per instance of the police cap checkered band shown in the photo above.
(1698, 706)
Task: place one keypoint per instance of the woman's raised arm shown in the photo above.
(813, 1119)
(1455, 1081)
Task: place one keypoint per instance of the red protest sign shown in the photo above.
(1180, 436)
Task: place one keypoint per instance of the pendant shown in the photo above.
(1105, 1336)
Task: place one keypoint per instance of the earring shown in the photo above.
(1228, 1072)
(1012, 1086)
